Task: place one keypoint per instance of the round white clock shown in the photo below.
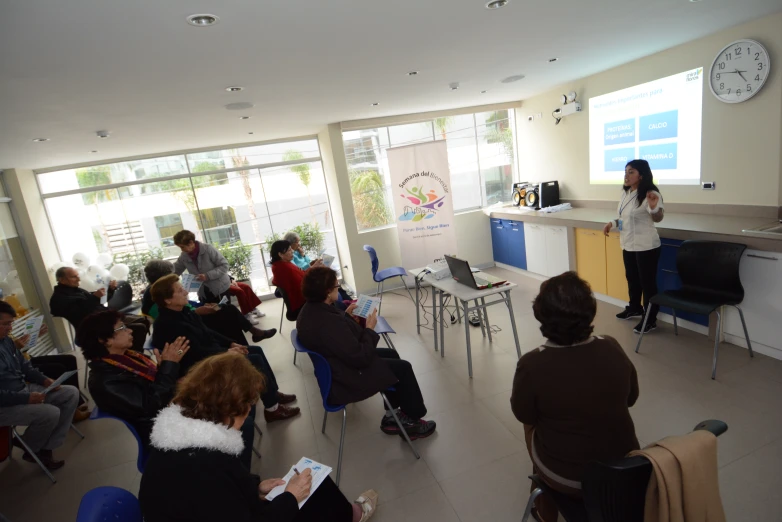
(739, 71)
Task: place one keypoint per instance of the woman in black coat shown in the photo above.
(123, 382)
(193, 475)
(359, 369)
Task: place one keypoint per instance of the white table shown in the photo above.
(464, 294)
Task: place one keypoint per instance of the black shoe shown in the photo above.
(651, 325)
(388, 425)
(629, 313)
(415, 428)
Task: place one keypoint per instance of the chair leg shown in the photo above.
(294, 356)
(388, 341)
(325, 414)
(282, 315)
(746, 332)
(35, 457)
(716, 346)
(675, 324)
(86, 399)
(530, 503)
(341, 443)
(398, 423)
(257, 453)
(258, 428)
(381, 298)
(404, 283)
(86, 373)
(643, 327)
(80, 434)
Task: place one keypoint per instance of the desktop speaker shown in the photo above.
(520, 192)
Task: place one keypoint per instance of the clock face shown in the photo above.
(739, 71)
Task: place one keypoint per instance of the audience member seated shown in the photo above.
(23, 403)
(123, 382)
(192, 473)
(573, 393)
(300, 259)
(359, 369)
(225, 319)
(288, 276)
(74, 304)
(177, 320)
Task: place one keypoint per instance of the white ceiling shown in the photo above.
(69, 68)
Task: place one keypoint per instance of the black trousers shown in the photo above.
(406, 395)
(258, 359)
(53, 366)
(641, 273)
(327, 504)
(229, 322)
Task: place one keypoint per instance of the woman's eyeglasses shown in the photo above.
(123, 327)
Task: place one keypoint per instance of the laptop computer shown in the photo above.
(460, 271)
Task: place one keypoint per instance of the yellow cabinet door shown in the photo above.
(591, 258)
(616, 282)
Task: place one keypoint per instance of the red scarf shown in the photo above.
(133, 362)
(194, 254)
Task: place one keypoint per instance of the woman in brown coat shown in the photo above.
(359, 369)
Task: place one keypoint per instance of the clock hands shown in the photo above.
(742, 76)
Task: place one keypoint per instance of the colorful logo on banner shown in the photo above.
(422, 205)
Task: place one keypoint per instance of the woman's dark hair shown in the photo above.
(565, 308)
(183, 238)
(7, 309)
(163, 289)
(278, 248)
(157, 268)
(94, 331)
(318, 282)
(647, 179)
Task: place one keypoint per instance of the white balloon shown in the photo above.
(94, 269)
(104, 275)
(56, 266)
(104, 260)
(119, 272)
(88, 283)
(81, 260)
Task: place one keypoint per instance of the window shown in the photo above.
(481, 159)
(167, 226)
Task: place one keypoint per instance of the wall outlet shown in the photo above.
(708, 185)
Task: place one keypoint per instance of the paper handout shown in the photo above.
(319, 474)
(366, 305)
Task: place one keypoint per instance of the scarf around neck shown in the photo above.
(133, 362)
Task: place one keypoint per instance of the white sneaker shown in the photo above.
(252, 319)
(258, 313)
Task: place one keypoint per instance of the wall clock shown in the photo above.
(739, 71)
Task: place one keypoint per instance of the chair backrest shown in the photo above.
(143, 454)
(322, 372)
(616, 492)
(373, 258)
(711, 267)
(109, 503)
(123, 296)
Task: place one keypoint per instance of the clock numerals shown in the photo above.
(731, 76)
(760, 66)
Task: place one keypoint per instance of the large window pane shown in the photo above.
(254, 155)
(495, 153)
(370, 179)
(459, 133)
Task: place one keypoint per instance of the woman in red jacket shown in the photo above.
(288, 276)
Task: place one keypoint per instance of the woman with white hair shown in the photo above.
(300, 259)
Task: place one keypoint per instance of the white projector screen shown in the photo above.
(659, 121)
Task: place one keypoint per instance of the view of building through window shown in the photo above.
(132, 209)
(480, 157)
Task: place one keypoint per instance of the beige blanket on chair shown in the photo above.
(684, 486)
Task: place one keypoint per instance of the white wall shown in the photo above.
(741, 142)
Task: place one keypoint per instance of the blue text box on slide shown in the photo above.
(661, 157)
(616, 159)
(659, 126)
(618, 132)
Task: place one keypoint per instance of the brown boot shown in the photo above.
(259, 335)
(281, 413)
(284, 398)
(46, 458)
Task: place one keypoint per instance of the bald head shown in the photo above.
(68, 276)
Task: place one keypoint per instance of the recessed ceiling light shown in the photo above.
(103, 134)
(234, 89)
(484, 92)
(496, 4)
(413, 73)
(40, 140)
(454, 86)
(375, 104)
(244, 117)
(552, 60)
(202, 20)
(239, 106)
(511, 79)
(93, 151)
(250, 132)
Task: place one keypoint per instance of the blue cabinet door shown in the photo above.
(498, 241)
(668, 279)
(516, 249)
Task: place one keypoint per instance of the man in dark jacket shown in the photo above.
(74, 304)
(176, 319)
(22, 401)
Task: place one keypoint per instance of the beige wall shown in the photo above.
(741, 142)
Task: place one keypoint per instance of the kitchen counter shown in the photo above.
(674, 225)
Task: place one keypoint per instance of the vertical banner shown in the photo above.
(423, 202)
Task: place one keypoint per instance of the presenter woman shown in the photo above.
(639, 209)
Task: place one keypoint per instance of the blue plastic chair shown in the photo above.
(108, 503)
(323, 375)
(383, 329)
(143, 454)
(379, 276)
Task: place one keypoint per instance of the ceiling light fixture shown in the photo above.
(514, 78)
(239, 106)
(454, 86)
(234, 89)
(484, 92)
(93, 151)
(552, 60)
(103, 134)
(244, 117)
(202, 20)
(40, 140)
(375, 104)
(251, 132)
(496, 4)
(413, 73)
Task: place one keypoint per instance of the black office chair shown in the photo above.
(289, 315)
(612, 491)
(122, 300)
(709, 271)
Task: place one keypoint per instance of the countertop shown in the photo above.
(673, 226)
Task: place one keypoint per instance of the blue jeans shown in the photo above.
(258, 359)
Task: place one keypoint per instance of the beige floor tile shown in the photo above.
(751, 487)
(429, 504)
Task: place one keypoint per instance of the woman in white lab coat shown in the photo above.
(640, 207)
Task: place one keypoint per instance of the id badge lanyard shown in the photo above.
(623, 206)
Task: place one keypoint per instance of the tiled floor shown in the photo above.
(475, 467)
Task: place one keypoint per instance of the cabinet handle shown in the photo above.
(516, 229)
(498, 228)
(763, 257)
(669, 271)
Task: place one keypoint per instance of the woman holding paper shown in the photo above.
(640, 208)
(193, 473)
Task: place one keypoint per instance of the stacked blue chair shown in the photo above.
(379, 276)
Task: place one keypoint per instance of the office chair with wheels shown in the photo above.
(379, 276)
(323, 375)
(612, 491)
(709, 271)
(109, 503)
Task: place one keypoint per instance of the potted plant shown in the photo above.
(239, 257)
(310, 236)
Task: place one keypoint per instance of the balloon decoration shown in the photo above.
(104, 260)
(88, 273)
(119, 272)
(81, 260)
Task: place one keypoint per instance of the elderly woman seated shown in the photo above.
(300, 259)
(359, 369)
(193, 473)
(574, 392)
(225, 319)
(177, 320)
